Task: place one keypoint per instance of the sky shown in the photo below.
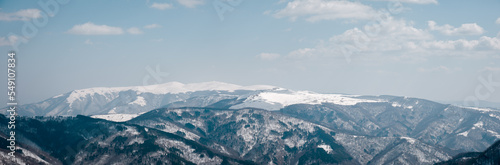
(432, 49)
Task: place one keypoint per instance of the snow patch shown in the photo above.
(465, 134)
(295, 141)
(275, 100)
(172, 128)
(112, 111)
(116, 117)
(494, 133)
(58, 96)
(409, 140)
(139, 101)
(483, 110)
(5, 156)
(34, 156)
(495, 116)
(138, 140)
(327, 148)
(479, 124)
(394, 104)
(188, 153)
(132, 131)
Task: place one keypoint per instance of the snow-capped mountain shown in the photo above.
(240, 121)
(459, 128)
(140, 99)
(134, 100)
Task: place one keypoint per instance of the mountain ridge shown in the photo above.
(372, 129)
(138, 99)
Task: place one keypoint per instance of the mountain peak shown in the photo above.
(173, 87)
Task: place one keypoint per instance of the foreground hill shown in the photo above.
(272, 137)
(83, 140)
(210, 136)
(490, 156)
(457, 128)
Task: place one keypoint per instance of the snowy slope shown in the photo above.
(116, 117)
(277, 99)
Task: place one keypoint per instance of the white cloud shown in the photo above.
(90, 28)
(464, 29)
(134, 30)
(498, 20)
(483, 43)
(317, 10)
(387, 35)
(268, 56)
(161, 6)
(191, 3)
(309, 52)
(21, 15)
(395, 39)
(414, 1)
(88, 42)
(11, 40)
(152, 26)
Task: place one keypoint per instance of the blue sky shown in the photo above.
(434, 49)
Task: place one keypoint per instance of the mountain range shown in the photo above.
(218, 123)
